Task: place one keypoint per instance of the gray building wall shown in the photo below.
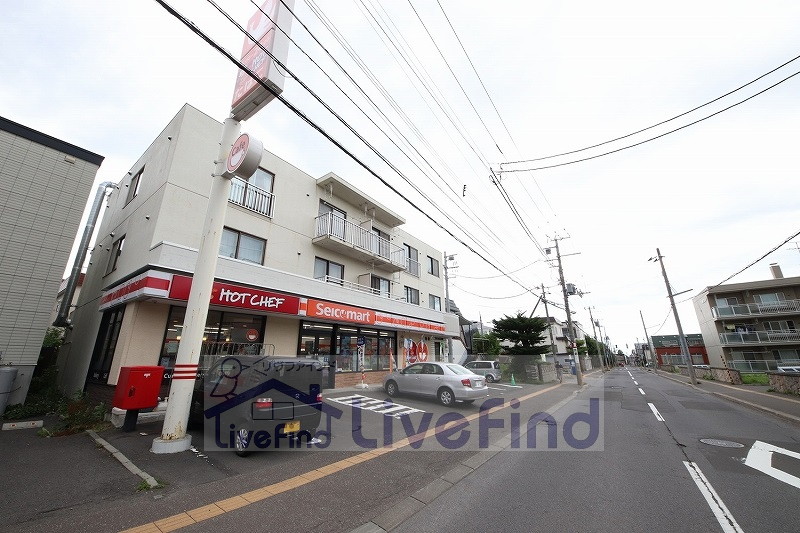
(44, 186)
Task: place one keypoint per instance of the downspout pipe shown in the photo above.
(66, 301)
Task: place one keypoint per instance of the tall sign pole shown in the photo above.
(570, 334)
(447, 304)
(681, 338)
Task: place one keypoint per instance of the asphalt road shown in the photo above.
(649, 470)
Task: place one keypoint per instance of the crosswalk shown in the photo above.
(384, 407)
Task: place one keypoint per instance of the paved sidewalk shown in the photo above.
(758, 397)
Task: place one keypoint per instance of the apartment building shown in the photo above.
(668, 349)
(752, 326)
(44, 184)
(307, 266)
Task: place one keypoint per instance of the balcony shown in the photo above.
(760, 337)
(785, 307)
(251, 197)
(361, 288)
(340, 235)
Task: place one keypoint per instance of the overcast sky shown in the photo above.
(552, 77)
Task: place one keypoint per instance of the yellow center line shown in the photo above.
(194, 516)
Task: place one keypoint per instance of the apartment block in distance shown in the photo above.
(44, 184)
(306, 267)
(752, 326)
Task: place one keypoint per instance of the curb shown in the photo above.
(775, 412)
(150, 480)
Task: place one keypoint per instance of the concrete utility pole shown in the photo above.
(594, 332)
(447, 304)
(549, 326)
(650, 344)
(681, 337)
(570, 334)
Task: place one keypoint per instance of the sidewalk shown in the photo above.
(758, 397)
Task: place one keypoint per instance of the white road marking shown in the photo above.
(494, 388)
(760, 458)
(635, 382)
(655, 412)
(509, 386)
(640, 390)
(721, 512)
(384, 407)
(629, 373)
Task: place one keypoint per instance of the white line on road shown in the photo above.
(629, 373)
(721, 513)
(655, 412)
(509, 386)
(635, 382)
(640, 390)
(760, 458)
(494, 388)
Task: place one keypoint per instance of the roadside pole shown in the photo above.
(650, 344)
(601, 351)
(570, 334)
(173, 435)
(447, 305)
(549, 327)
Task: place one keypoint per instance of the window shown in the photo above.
(727, 301)
(433, 266)
(254, 193)
(779, 325)
(106, 344)
(434, 302)
(133, 186)
(116, 251)
(412, 295)
(381, 286)
(772, 298)
(328, 270)
(380, 243)
(242, 246)
(412, 260)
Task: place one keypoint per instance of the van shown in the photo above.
(252, 402)
(489, 369)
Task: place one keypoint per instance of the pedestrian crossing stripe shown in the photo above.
(384, 407)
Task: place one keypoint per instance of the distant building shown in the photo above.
(752, 326)
(44, 185)
(560, 349)
(668, 349)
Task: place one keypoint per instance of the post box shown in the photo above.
(138, 387)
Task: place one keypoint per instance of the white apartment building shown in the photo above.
(307, 266)
(44, 183)
(752, 326)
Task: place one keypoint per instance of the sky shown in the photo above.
(468, 94)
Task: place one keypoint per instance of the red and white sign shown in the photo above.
(252, 335)
(245, 156)
(147, 284)
(339, 312)
(422, 352)
(238, 296)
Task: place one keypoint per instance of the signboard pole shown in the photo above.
(173, 435)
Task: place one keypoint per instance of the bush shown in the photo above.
(755, 379)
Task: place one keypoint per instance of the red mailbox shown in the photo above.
(138, 387)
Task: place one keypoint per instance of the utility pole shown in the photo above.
(570, 334)
(650, 344)
(681, 337)
(594, 331)
(549, 326)
(447, 304)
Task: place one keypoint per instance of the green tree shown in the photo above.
(580, 344)
(525, 333)
(53, 338)
(487, 345)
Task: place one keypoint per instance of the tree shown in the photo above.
(525, 332)
(487, 345)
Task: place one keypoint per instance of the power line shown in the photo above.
(659, 123)
(657, 136)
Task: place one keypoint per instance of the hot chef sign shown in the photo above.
(238, 296)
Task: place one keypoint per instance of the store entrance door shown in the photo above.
(317, 345)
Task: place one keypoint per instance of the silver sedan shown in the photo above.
(448, 382)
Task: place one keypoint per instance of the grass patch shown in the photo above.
(144, 486)
(755, 379)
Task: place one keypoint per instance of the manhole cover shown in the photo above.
(722, 443)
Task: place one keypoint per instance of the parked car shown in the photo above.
(252, 399)
(447, 382)
(488, 369)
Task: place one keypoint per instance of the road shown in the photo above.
(649, 472)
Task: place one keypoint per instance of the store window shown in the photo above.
(242, 246)
(225, 333)
(106, 344)
(341, 346)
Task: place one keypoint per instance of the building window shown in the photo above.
(255, 193)
(133, 186)
(116, 251)
(772, 298)
(105, 345)
(242, 246)
(433, 266)
(381, 286)
(412, 260)
(380, 243)
(334, 223)
(328, 271)
(434, 302)
(412, 296)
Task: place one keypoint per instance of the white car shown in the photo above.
(448, 382)
(488, 369)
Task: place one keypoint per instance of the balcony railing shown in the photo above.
(412, 266)
(760, 337)
(358, 287)
(344, 236)
(251, 197)
(766, 365)
(775, 308)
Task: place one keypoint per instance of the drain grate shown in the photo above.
(722, 443)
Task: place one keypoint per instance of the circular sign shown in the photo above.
(252, 335)
(245, 156)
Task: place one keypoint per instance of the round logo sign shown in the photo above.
(252, 335)
(245, 156)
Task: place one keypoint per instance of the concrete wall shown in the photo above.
(788, 383)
